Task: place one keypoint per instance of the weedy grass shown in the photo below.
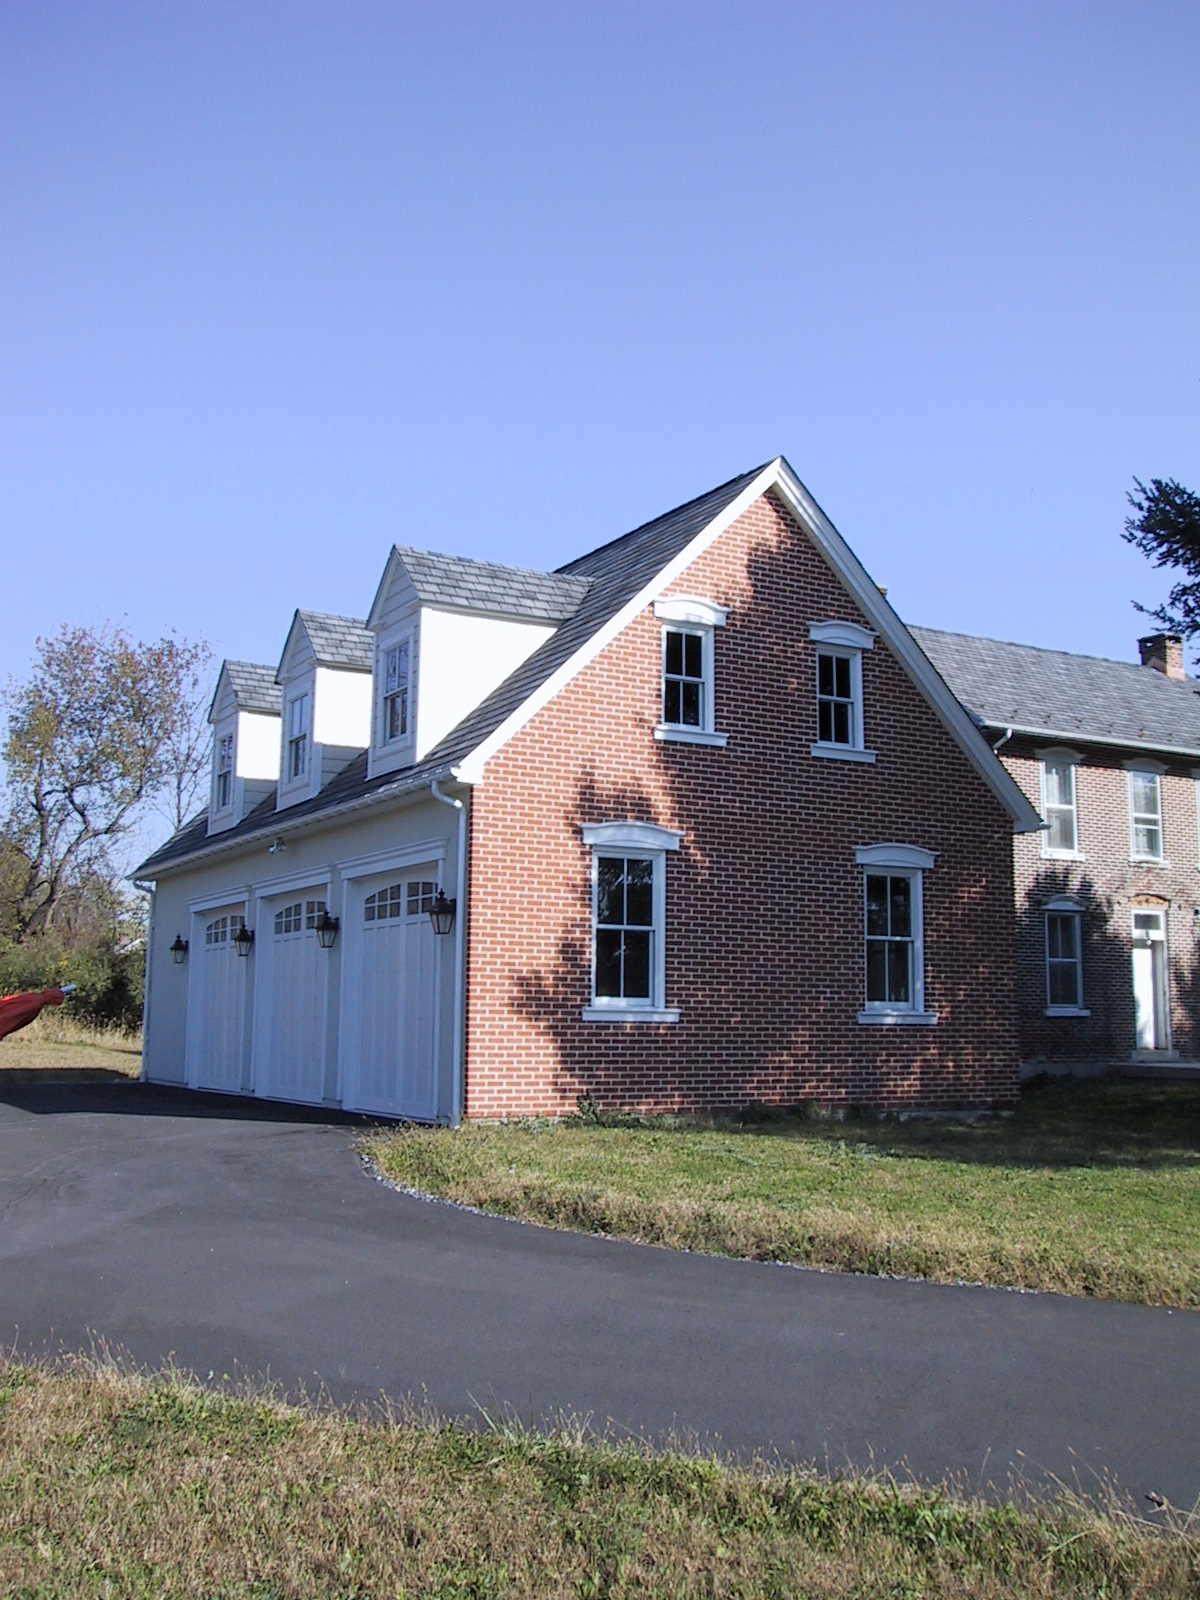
(1091, 1188)
(118, 1484)
(57, 1041)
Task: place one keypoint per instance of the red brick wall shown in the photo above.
(764, 911)
(1109, 883)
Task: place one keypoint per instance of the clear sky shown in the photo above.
(284, 283)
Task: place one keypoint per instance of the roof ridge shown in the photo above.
(1042, 649)
(477, 561)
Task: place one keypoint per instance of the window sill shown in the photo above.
(630, 1014)
(1067, 1011)
(1063, 855)
(1148, 861)
(891, 1019)
(670, 734)
(841, 752)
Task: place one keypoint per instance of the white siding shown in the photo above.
(462, 659)
(258, 746)
(342, 708)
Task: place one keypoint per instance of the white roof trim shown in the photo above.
(905, 857)
(470, 770)
(630, 835)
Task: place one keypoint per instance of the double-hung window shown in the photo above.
(894, 933)
(297, 744)
(396, 659)
(688, 670)
(840, 721)
(1145, 813)
(1059, 806)
(223, 797)
(1064, 958)
(629, 921)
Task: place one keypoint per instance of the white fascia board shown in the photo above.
(381, 591)
(915, 663)
(212, 704)
(1181, 752)
(287, 667)
(470, 769)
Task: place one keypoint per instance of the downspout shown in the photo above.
(458, 1101)
(1002, 741)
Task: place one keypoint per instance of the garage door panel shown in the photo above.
(216, 1028)
(293, 978)
(388, 1028)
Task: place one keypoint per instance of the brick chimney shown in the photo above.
(1163, 652)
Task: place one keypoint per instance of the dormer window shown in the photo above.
(395, 691)
(224, 788)
(297, 748)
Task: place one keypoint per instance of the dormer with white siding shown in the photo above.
(244, 717)
(447, 632)
(325, 682)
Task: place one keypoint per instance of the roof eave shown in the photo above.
(1077, 736)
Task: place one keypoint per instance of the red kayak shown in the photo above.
(18, 1009)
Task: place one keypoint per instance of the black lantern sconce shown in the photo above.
(243, 940)
(441, 913)
(327, 929)
(179, 949)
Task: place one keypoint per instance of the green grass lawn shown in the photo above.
(56, 1042)
(136, 1488)
(1092, 1188)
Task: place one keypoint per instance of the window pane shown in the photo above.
(610, 890)
(877, 906)
(639, 893)
(1145, 792)
(841, 721)
(901, 907)
(691, 705)
(899, 962)
(1061, 937)
(825, 721)
(672, 700)
(825, 675)
(1061, 835)
(1146, 839)
(841, 677)
(691, 655)
(1064, 983)
(637, 966)
(608, 963)
(674, 652)
(876, 969)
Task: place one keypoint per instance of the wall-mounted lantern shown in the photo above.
(327, 929)
(243, 940)
(441, 912)
(179, 949)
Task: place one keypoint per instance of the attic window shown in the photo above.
(297, 760)
(224, 787)
(395, 692)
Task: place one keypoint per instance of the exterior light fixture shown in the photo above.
(179, 949)
(327, 929)
(441, 912)
(244, 940)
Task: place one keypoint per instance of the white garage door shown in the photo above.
(216, 1025)
(290, 1004)
(389, 1024)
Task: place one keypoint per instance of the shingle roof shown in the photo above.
(486, 586)
(339, 641)
(254, 686)
(1052, 692)
(615, 573)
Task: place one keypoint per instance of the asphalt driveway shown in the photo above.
(247, 1240)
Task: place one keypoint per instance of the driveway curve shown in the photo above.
(244, 1239)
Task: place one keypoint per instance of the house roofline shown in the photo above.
(1076, 736)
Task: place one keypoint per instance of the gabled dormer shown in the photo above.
(448, 631)
(325, 681)
(244, 717)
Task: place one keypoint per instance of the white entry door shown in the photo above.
(1152, 1017)
(290, 1001)
(216, 1037)
(389, 1018)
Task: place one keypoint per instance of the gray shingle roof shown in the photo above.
(616, 572)
(339, 641)
(254, 686)
(1052, 692)
(485, 586)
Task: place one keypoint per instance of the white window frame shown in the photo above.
(397, 741)
(1059, 757)
(292, 739)
(221, 742)
(1196, 793)
(1155, 770)
(643, 841)
(898, 861)
(691, 614)
(1065, 906)
(846, 641)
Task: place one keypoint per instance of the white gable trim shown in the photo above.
(630, 836)
(471, 769)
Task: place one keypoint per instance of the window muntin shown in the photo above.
(1059, 808)
(685, 689)
(1064, 961)
(223, 929)
(1145, 816)
(302, 914)
(414, 899)
(224, 789)
(297, 751)
(891, 940)
(837, 711)
(396, 662)
(624, 953)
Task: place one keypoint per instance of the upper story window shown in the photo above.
(629, 921)
(396, 662)
(1145, 814)
(297, 737)
(688, 670)
(840, 720)
(894, 932)
(1061, 837)
(223, 796)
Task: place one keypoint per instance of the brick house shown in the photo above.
(1108, 896)
(691, 822)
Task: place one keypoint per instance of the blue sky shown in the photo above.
(282, 284)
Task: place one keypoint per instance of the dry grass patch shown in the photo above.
(55, 1041)
(1091, 1189)
(120, 1485)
